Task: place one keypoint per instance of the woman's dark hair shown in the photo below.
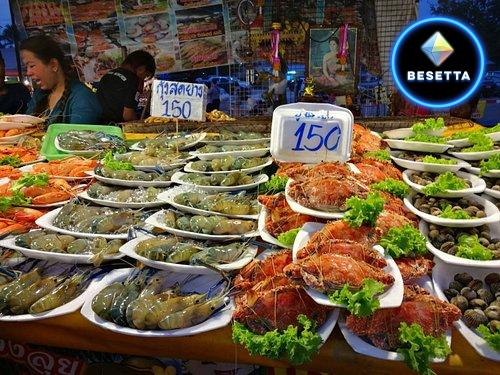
(141, 58)
(45, 48)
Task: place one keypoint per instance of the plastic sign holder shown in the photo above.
(311, 133)
(179, 100)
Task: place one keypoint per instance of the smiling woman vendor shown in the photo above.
(61, 97)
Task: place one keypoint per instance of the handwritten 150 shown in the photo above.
(176, 108)
(315, 139)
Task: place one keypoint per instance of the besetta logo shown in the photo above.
(445, 70)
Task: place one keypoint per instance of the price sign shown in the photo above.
(311, 133)
(182, 100)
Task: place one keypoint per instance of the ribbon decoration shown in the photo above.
(343, 46)
(275, 42)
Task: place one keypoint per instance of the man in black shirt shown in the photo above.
(119, 89)
(14, 97)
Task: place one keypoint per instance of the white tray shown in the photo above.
(465, 141)
(264, 234)
(22, 119)
(493, 215)
(188, 168)
(129, 250)
(237, 142)
(155, 221)
(478, 185)
(216, 155)
(46, 221)
(452, 259)
(295, 206)
(492, 193)
(495, 173)
(108, 203)
(200, 284)
(402, 133)
(196, 138)
(437, 148)
(474, 155)
(442, 275)
(428, 167)
(10, 243)
(13, 139)
(359, 345)
(169, 195)
(177, 163)
(128, 183)
(6, 125)
(392, 297)
(259, 179)
(29, 168)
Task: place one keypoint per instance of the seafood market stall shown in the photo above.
(328, 248)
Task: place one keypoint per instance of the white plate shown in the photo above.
(259, 179)
(392, 297)
(359, 345)
(492, 193)
(67, 308)
(29, 169)
(493, 215)
(428, 167)
(264, 234)
(464, 262)
(237, 142)
(216, 155)
(442, 275)
(196, 138)
(13, 139)
(41, 158)
(465, 141)
(87, 153)
(108, 203)
(295, 206)
(10, 243)
(129, 250)
(169, 195)
(177, 163)
(478, 185)
(22, 119)
(474, 155)
(128, 183)
(155, 221)
(418, 146)
(188, 168)
(200, 284)
(493, 173)
(46, 221)
(408, 132)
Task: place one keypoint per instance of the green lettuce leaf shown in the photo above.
(426, 138)
(404, 241)
(428, 125)
(13, 161)
(492, 339)
(362, 302)
(434, 160)
(480, 142)
(469, 247)
(288, 238)
(392, 186)
(418, 348)
(274, 185)
(110, 162)
(26, 180)
(493, 162)
(444, 182)
(449, 213)
(383, 155)
(361, 211)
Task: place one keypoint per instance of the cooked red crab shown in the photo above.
(333, 170)
(369, 173)
(363, 140)
(329, 272)
(284, 169)
(414, 268)
(385, 166)
(353, 249)
(340, 230)
(278, 308)
(433, 315)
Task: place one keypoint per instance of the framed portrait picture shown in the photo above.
(332, 74)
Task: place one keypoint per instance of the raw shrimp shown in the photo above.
(128, 294)
(22, 282)
(101, 304)
(223, 254)
(61, 295)
(21, 301)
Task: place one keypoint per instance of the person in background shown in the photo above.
(14, 97)
(213, 96)
(60, 96)
(277, 90)
(119, 89)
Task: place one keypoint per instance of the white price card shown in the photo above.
(311, 133)
(181, 100)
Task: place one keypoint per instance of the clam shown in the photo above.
(485, 295)
(450, 293)
(492, 312)
(460, 302)
(495, 287)
(492, 278)
(475, 284)
(494, 326)
(456, 285)
(464, 278)
(468, 293)
(474, 318)
(478, 303)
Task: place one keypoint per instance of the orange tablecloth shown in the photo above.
(73, 331)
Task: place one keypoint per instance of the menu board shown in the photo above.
(180, 34)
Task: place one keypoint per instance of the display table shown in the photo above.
(73, 331)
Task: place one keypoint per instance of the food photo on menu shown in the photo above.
(300, 188)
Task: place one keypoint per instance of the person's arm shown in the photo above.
(130, 102)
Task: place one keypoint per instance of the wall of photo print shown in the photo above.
(181, 34)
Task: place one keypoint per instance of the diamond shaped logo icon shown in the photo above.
(437, 48)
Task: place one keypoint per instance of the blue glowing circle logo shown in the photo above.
(437, 62)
